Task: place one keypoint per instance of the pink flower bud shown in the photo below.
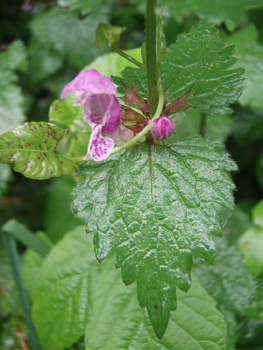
(162, 128)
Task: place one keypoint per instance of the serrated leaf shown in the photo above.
(228, 281)
(131, 76)
(62, 291)
(118, 322)
(250, 57)
(156, 206)
(217, 11)
(62, 31)
(198, 64)
(29, 149)
(108, 34)
(32, 262)
(84, 6)
(70, 278)
(250, 244)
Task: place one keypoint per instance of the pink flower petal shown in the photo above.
(99, 147)
(105, 110)
(121, 136)
(91, 82)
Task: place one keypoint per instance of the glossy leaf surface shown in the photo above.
(156, 206)
(199, 64)
(29, 148)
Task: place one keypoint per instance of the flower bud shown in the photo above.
(162, 128)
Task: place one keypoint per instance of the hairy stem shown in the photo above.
(151, 60)
(129, 58)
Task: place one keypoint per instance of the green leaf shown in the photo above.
(251, 245)
(108, 34)
(29, 148)
(118, 322)
(11, 99)
(112, 63)
(160, 41)
(250, 57)
(59, 206)
(131, 76)
(188, 125)
(156, 206)
(32, 263)
(62, 31)
(228, 281)
(63, 112)
(84, 6)
(218, 11)
(62, 299)
(15, 57)
(257, 214)
(5, 174)
(70, 278)
(25, 236)
(198, 64)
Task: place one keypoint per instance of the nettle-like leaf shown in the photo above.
(197, 67)
(90, 298)
(235, 290)
(62, 292)
(29, 149)
(156, 205)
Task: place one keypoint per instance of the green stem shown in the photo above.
(151, 60)
(129, 58)
(11, 250)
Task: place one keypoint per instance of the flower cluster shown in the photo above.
(102, 111)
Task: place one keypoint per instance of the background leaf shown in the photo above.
(62, 292)
(217, 12)
(70, 278)
(83, 5)
(30, 150)
(157, 207)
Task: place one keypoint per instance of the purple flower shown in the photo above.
(102, 111)
(162, 128)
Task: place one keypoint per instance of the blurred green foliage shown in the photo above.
(42, 47)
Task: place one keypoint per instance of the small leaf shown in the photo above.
(62, 296)
(250, 244)
(29, 148)
(108, 34)
(156, 206)
(198, 65)
(160, 41)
